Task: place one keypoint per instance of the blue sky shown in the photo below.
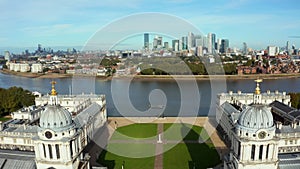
(259, 23)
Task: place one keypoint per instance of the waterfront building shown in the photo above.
(261, 130)
(54, 133)
(7, 56)
(19, 67)
(36, 68)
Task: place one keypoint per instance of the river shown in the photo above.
(152, 97)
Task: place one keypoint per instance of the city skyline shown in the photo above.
(258, 23)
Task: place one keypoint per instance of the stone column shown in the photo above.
(73, 147)
(47, 152)
(275, 150)
(40, 153)
(54, 151)
(68, 155)
(256, 152)
(242, 153)
(264, 153)
(270, 153)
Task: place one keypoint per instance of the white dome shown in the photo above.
(256, 117)
(55, 117)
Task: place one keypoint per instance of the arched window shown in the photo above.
(261, 148)
(44, 149)
(252, 152)
(267, 153)
(239, 149)
(50, 151)
(71, 148)
(57, 151)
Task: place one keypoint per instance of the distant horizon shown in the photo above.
(259, 23)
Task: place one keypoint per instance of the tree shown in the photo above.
(13, 99)
(295, 100)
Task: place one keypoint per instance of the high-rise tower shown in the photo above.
(146, 41)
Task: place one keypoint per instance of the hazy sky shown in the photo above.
(259, 23)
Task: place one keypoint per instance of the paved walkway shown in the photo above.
(158, 163)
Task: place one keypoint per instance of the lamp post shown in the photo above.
(123, 164)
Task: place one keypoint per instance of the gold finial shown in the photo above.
(257, 89)
(53, 91)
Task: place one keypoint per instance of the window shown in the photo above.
(44, 149)
(57, 151)
(71, 150)
(252, 152)
(50, 151)
(239, 149)
(267, 153)
(260, 151)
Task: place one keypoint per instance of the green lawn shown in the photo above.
(179, 131)
(135, 131)
(141, 155)
(185, 156)
(128, 153)
(3, 119)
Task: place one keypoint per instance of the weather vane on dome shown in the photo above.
(257, 89)
(53, 91)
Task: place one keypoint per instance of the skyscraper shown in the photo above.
(175, 45)
(211, 40)
(157, 42)
(198, 40)
(166, 45)
(213, 43)
(209, 43)
(191, 41)
(184, 43)
(218, 44)
(146, 41)
(287, 46)
(224, 45)
(245, 48)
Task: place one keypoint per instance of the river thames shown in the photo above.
(152, 97)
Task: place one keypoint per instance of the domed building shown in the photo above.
(261, 130)
(56, 132)
(254, 143)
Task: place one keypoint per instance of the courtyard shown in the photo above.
(160, 145)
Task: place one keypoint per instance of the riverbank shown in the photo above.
(156, 77)
(35, 75)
